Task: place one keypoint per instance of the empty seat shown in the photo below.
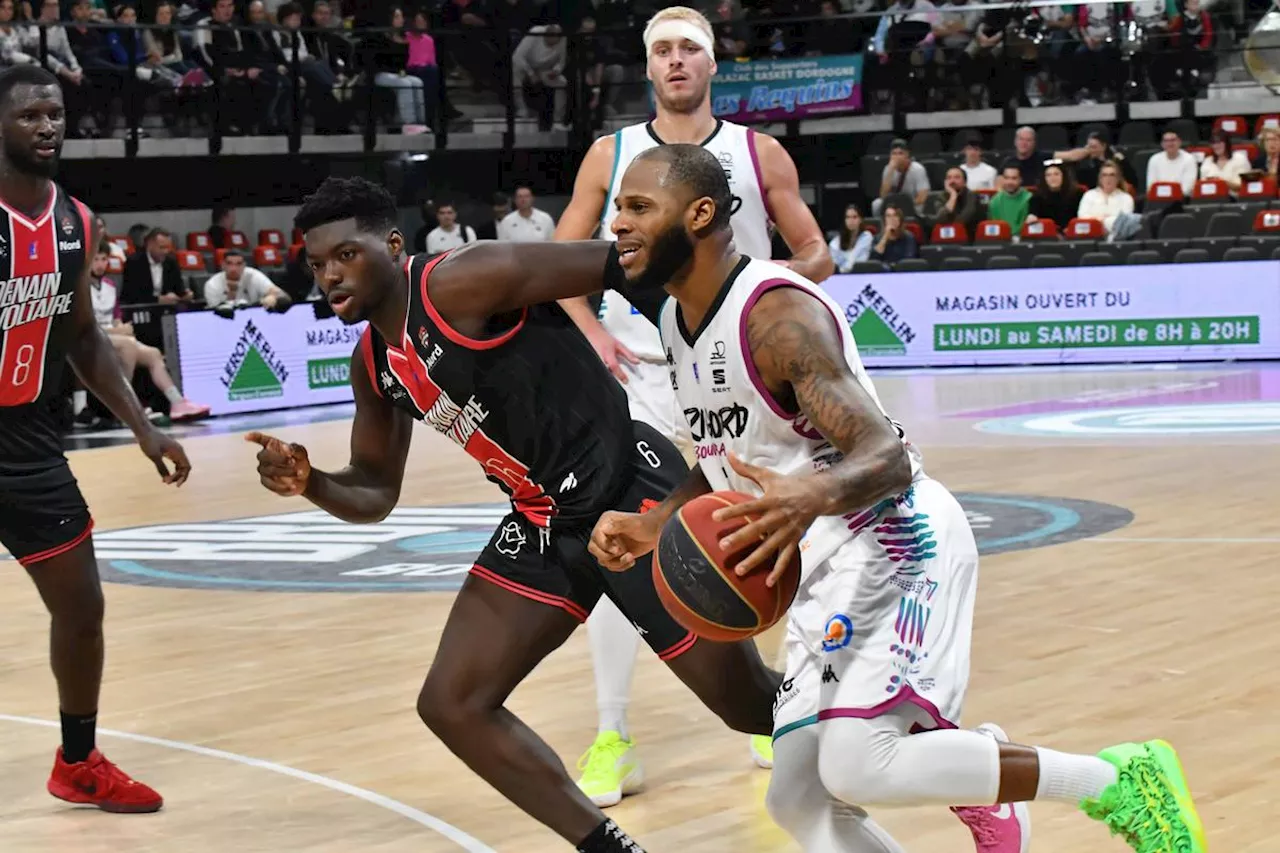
(1187, 129)
(1048, 259)
(1178, 226)
(1242, 253)
(1144, 256)
(911, 265)
(1098, 259)
(1191, 256)
(1215, 247)
(268, 257)
(271, 237)
(957, 262)
(880, 143)
(238, 240)
(189, 261)
(936, 170)
(198, 241)
(926, 142)
(1003, 262)
(1137, 133)
(1211, 190)
(1052, 137)
(1164, 192)
(1266, 222)
(869, 267)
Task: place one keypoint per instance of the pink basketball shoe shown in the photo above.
(1002, 828)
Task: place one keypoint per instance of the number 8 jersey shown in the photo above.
(41, 260)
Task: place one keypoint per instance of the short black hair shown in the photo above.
(232, 253)
(287, 9)
(104, 248)
(500, 200)
(1010, 164)
(369, 204)
(698, 171)
(157, 232)
(19, 75)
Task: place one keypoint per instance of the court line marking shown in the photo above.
(1207, 540)
(449, 831)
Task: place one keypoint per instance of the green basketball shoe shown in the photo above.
(1150, 804)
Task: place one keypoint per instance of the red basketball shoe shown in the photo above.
(98, 782)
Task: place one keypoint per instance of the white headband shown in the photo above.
(675, 30)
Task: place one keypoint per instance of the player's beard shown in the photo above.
(27, 164)
(667, 256)
(684, 105)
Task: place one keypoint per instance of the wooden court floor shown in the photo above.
(283, 720)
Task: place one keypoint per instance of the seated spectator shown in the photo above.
(1089, 159)
(61, 60)
(1173, 165)
(328, 45)
(526, 224)
(244, 95)
(165, 50)
(1013, 203)
(537, 69)
(449, 234)
(501, 204)
(896, 243)
(263, 53)
(223, 222)
(1268, 160)
(1191, 42)
(1057, 198)
(132, 352)
(13, 50)
(385, 55)
(1111, 204)
(241, 284)
(317, 75)
(853, 243)
(978, 174)
(955, 204)
(422, 63)
(153, 275)
(902, 175)
(1097, 67)
(602, 72)
(106, 76)
(1223, 163)
(113, 250)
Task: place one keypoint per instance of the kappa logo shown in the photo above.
(511, 540)
(838, 634)
(829, 675)
(877, 329)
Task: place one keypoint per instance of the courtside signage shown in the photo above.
(259, 361)
(1173, 312)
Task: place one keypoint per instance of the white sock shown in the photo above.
(174, 395)
(79, 399)
(614, 643)
(1072, 778)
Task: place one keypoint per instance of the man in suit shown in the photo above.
(501, 207)
(153, 275)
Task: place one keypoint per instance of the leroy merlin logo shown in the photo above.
(254, 371)
(877, 328)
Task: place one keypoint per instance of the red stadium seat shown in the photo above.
(993, 231)
(238, 240)
(218, 255)
(1250, 150)
(1268, 120)
(1260, 188)
(986, 194)
(267, 257)
(953, 232)
(1085, 229)
(1233, 126)
(1267, 222)
(294, 250)
(296, 237)
(916, 231)
(189, 261)
(1211, 189)
(1165, 191)
(124, 244)
(115, 266)
(198, 241)
(1041, 229)
(270, 237)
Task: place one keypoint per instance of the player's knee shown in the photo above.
(447, 701)
(853, 759)
(790, 805)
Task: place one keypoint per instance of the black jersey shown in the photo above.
(41, 260)
(531, 402)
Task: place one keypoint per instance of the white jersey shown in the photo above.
(104, 302)
(728, 409)
(735, 148)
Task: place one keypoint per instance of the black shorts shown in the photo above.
(42, 513)
(555, 567)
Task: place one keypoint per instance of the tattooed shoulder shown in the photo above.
(791, 337)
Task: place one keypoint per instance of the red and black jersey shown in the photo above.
(41, 260)
(531, 402)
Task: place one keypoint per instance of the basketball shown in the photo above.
(695, 578)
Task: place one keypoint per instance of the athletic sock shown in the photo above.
(614, 643)
(608, 838)
(1072, 778)
(174, 395)
(78, 736)
(79, 399)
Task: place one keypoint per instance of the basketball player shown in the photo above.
(46, 319)
(879, 633)
(762, 177)
(451, 341)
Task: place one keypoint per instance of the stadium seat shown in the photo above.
(916, 231)
(879, 143)
(1144, 256)
(1098, 259)
(1211, 189)
(1052, 137)
(993, 231)
(1234, 126)
(191, 262)
(1048, 259)
(1267, 222)
(122, 243)
(1041, 229)
(1242, 253)
(957, 262)
(985, 194)
(1136, 133)
(1004, 262)
(1085, 229)
(267, 257)
(296, 237)
(296, 248)
(1268, 120)
(1215, 247)
(1187, 129)
(925, 142)
(218, 255)
(1191, 256)
(949, 233)
(238, 240)
(198, 241)
(1275, 254)
(1164, 192)
(1178, 226)
(1226, 224)
(271, 237)
(115, 266)
(1260, 188)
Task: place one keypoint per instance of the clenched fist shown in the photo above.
(283, 468)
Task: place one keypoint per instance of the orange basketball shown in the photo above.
(696, 580)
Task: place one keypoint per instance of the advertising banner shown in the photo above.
(1174, 312)
(258, 361)
(766, 90)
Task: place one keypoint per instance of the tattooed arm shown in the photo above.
(798, 352)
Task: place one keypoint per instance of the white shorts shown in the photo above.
(653, 401)
(885, 624)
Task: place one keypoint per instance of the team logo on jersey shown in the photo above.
(877, 328)
(838, 633)
(717, 353)
(423, 338)
(33, 251)
(728, 421)
(4, 247)
(67, 226)
(511, 540)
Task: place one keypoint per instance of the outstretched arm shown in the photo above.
(93, 357)
(809, 254)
